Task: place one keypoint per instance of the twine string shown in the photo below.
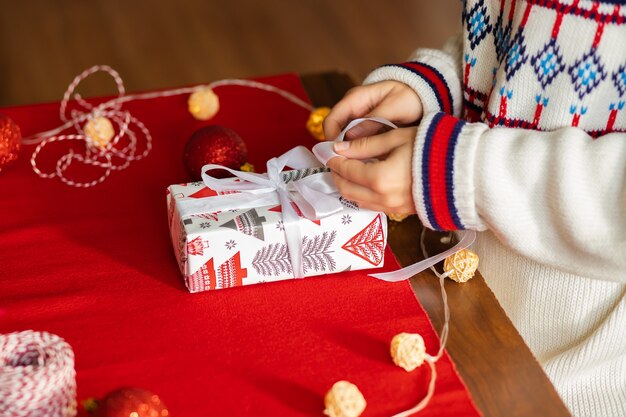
(443, 337)
(122, 149)
(37, 375)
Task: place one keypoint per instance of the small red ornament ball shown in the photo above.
(214, 145)
(131, 402)
(10, 140)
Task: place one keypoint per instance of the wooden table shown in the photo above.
(501, 373)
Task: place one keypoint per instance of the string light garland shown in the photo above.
(99, 131)
(315, 123)
(408, 351)
(461, 266)
(344, 400)
(113, 138)
(203, 104)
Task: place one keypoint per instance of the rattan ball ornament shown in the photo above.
(315, 123)
(461, 266)
(247, 167)
(408, 350)
(99, 131)
(203, 104)
(344, 400)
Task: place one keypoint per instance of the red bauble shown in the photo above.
(214, 145)
(10, 140)
(135, 402)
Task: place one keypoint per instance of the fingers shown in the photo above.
(374, 176)
(352, 191)
(369, 199)
(382, 185)
(358, 102)
(370, 146)
(366, 128)
(390, 100)
(352, 170)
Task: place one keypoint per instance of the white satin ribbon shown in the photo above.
(324, 152)
(314, 195)
(408, 271)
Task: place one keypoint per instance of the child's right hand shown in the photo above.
(392, 100)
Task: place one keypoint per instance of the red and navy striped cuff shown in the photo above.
(434, 79)
(437, 172)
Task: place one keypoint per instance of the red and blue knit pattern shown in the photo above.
(437, 172)
(435, 81)
(584, 72)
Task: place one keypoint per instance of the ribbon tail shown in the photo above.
(293, 235)
(407, 272)
(194, 206)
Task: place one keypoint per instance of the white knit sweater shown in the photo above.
(523, 139)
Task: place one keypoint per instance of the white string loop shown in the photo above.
(122, 149)
(114, 155)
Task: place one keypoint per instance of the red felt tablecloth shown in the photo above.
(96, 267)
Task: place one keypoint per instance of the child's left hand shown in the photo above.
(384, 184)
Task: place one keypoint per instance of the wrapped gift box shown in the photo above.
(248, 246)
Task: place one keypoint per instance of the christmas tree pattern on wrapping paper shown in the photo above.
(279, 209)
(248, 223)
(203, 279)
(369, 243)
(208, 192)
(229, 274)
(196, 246)
(208, 216)
(273, 259)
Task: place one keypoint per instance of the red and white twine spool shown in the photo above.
(37, 377)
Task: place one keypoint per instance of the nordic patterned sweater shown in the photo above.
(523, 139)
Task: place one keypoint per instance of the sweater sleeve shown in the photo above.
(556, 197)
(434, 74)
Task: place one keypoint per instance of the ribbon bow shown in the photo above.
(314, 195)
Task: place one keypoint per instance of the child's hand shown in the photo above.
(382, 185)
(391, 100)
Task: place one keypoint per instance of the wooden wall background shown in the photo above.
(162, 44)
